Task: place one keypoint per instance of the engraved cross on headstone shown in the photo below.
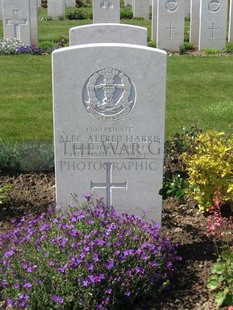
(213, 28)
(16, 21)
(170, 28)
(109, 185)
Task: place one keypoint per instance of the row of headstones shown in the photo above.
(208, 24)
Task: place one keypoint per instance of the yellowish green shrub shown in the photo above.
(210, 168)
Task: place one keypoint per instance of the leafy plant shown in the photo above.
(47, 18)
(229, 48)
(26, 156)
(126, 13)
(78, 14)
(186, 47)
(174, 185)
(210, 168)
(220, 229)
(212, 51)
(3, 190)
(87, 258)
(181, 142)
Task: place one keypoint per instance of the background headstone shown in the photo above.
(34, 21)
(113, 33)
(187, 8)
(70, 3)
(0, 9)
(56, 8)
(141, 8)
(154, 21)
(194, 22)
(106, 11)
(170, 24)
(109, 111)
(20, 20)
(213, 24)
(230, 31)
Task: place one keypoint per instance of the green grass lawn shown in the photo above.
(199, 89)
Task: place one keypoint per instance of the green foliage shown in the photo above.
(78, 14)
(152, 44)
(47, 18)
(126, 13)
(47, 46)
(210, 168)
(3, 190)
(181, 142)
(185, 48)
(220, 281)
(174, 185)
(212, 51)
(26, 156)
(174, 180)
(229, 48)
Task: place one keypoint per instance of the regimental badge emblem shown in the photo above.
(171, 6)
(109, 95)
(214, 6)
(106, 5)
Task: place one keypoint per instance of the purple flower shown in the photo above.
(127, 293)
(9, 253)
(27, 285)
(110, 264)
(57, 299)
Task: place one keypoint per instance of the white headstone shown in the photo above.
(230, 31)
(39, 3)
(194, 22)
(20, 20)
(141, 8)
(113, 33)
(109, 111)
(0, 9)
(34, 21)
(154, 21)
(56, 8)
(170, 24)
(213, 24)
(70, 3)
(106, 11)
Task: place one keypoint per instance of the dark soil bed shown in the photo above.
(33, 192)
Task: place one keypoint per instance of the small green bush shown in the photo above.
(47, 18)
(126, 13)
(26, 156)
(210, 168)
(185, 48)
(212, 51)
(229, 48)
(79, 15)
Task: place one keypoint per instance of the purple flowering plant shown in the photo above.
(83, 258)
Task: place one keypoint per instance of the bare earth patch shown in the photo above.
(182, 223)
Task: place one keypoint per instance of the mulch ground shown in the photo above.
(182, 223)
